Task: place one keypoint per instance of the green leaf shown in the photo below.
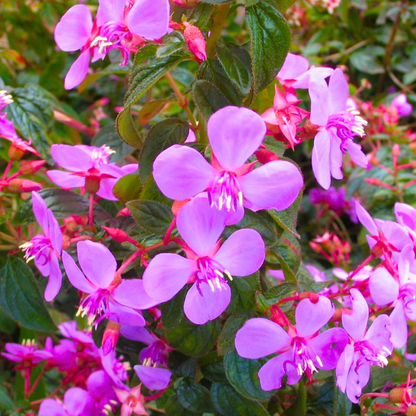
(270, 42)
(128, 187)
(201, 13)
(63, 204)
(208, 98)
(108, 136)
(242, 374)
(113, 69)
(366, 61)
(127, 130)
(161, 136)
(288, 218)
(172, 311)
(279, 292)
(151, 110)
(6, 324)
(182, 365)
(151, 215)
(6, 403)
(281, 5)
(174, 408)
(194, 397)
(243, 294)
(229, 403)
(226, 339)
(172, 43)
(20, 297)
(237, 64)
(298, 408)
(193, 340)
(32, 113)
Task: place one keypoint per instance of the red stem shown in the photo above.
(91, 211)
(169, 232)
(6, 171)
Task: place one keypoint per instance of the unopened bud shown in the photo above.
(411, 410)
(23, 185)
(314, 297)
(92, 181)
(123, 212)
(397, 395)
(186, 4)
(15, 152)
(265, 156)
(116, 234)
(395, 150)
(373, 181)
(195, 41)
(31, 167)
(110, 337)
(178, 205)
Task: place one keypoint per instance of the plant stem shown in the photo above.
(69, 121)
(216, 29)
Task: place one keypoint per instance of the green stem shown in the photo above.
(216, 29)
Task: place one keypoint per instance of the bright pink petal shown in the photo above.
(76, 401)
(166, 275)
(200, 225)
(131, 293)
(74, 274)
(311, 317)
(97, 263)
(136, 333)
(149, 18)
(343, 367)
(181, 172)
(335, 157)
(40, 210)
(74, 29)
(356, 322)
(50, 407)
(235, 133)
(356, 154)
(320, 105)
(274, 185)
(261, 337)
(243, 253)
(406, 260)
(293, 67)
(154, 378)
(54, 232)
(78, 71)
(365, 219)
(202, 304)
(338, 91)
(272, 372)
(125, 315)
(269, 116)
(383, 288)
(55, 280)
(405, 215)
(398, 326)
(65, 179)
(73, 158)
(112, 10)
(321, 164)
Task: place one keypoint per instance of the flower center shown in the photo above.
(154, 355)
(370, 353)
(211, 272)
(225, 190)
(39, 248)
(95, 305)
(347, 125)
(100, 156)
(302, 357)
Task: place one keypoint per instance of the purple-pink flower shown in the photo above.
(45, 249)
(88, 167)
(338, 126)
(234, 134)
(300, 350)
(367, 347)
(208, 265)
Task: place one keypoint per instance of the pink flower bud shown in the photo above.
(116, 234)
(195, 41)
(110, 337)
(33, 166)
(186, 4)
(23, 185)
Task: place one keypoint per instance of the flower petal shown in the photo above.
(366, 219)
(260, 337)
(293, 66)
(74, 29)
(274, 185)
(200, 225)
(311, 317)
(78, 71)
(235, 133)
(65, 179)
(379, 333)
(166, 275)
(97, 262)
(343, 367)
(72, 158)
(181, 172)
(383, 288)
(137, 333)
(202, 304)
(272, 372)
(405, 215)
(76, 401)
(243, 253)
(321, 163)
(338, 91)
(149, 18)
(50, 407)
(356, 154)
(319, 93)
(154, 378)
(125, 315)
(40, 210)
(112, 10)
(74, 274)
(356, 323)
(55, 280)
(398, 326)
(406, 260)
(131, 293)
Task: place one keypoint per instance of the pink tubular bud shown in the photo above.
(110, 337)
(396, 150)
(195, 41)
(116, 234)
(31, 167)
(23, 185)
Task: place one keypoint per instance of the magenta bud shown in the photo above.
(110, 337)
(23, 185)
(116, 234)
(195, 41)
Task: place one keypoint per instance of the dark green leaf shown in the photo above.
(208, 98)
(201, 13)
(151, 110)
(151, 192)
(174, 42)
(229, 403)
(6, 403)
(277, 293)
(174, 408)
(242, 373)
(182, 365)
(6, 324)
(151, 215)
(270, 42)
(193, 340)
(237, 64)
(128, 187)
(161, 136)
(214, 371)
(282, 5)
(194, 397)
(298, 407)
(366, 61)
(113, 69)
(227, 335)
(20, 297)
(127, 130)
(172, 311)
(63, 204)
(243, 294)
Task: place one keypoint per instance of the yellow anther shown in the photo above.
(211, 285)
(228, 274)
